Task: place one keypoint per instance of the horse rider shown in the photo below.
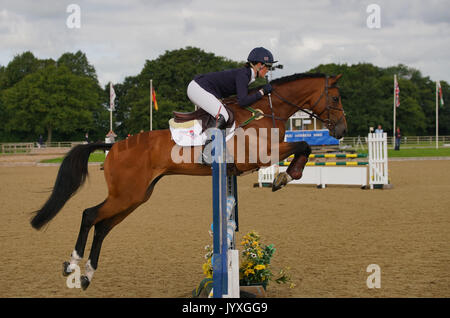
(206, 90)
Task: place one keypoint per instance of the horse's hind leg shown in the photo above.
(104, 226)
(89, 216)
(102, 229)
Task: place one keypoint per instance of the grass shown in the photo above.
(417, 152)
(94, 157)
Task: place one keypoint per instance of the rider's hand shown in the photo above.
(267, 89)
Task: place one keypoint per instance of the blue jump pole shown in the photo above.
(223, 187)
(219, 176)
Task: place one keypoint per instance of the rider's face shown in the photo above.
(262, 69)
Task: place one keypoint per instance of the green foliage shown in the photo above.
(19, 67)
(63, 99)
(171, 74)
(2, 77)
(78, 64)
(51, 99)
(367, 96)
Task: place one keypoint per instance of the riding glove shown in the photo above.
(267, 89)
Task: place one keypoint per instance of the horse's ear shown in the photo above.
(338, 77)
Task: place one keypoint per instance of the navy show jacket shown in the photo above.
(223, 84)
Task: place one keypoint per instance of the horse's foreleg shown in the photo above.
(301, 151)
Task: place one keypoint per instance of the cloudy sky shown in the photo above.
(118, 36)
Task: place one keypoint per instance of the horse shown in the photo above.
(133, 166)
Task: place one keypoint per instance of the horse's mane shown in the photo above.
(290, 78)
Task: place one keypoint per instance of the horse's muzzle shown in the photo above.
(340, 129)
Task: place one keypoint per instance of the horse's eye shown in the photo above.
(335, 99)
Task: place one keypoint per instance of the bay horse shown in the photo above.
(133, 166)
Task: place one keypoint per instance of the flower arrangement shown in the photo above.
(254, 266)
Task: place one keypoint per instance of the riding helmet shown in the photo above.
(262, 55)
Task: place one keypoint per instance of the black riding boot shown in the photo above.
(206, 155)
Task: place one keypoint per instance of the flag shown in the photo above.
(112, 97)
(441, 99)
(397, 92)
(154, 99)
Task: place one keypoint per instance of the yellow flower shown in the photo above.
(249, 271)
(207, 270)
(244, 242)
(259, 267)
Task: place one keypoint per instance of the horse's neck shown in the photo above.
(301, 93)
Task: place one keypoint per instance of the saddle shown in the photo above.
(206, 119)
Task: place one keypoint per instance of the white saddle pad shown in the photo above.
(190, 133)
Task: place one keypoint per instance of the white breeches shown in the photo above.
(205, 100)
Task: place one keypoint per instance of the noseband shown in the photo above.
(329, 106)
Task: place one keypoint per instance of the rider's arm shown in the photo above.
(244, 99)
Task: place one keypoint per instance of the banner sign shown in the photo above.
(312, 137)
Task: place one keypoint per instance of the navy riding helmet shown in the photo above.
(262, 55)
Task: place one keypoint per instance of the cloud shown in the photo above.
(119, 36)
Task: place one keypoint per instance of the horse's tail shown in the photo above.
(71, 175)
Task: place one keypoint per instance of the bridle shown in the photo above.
(328, 108)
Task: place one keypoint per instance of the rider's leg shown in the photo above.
(214, 107)
(206, 100)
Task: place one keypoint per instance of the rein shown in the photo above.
(257, 113)
(310, 112)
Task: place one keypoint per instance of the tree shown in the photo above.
(21, 65)
(78, 64)
(2, 111)
(444, 112)
(171, 74)
(64, 98)
(52, 99)
(367, 96)
(2, 77)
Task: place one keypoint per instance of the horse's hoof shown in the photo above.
(84, 282)
(66, 271)
(280, 181)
